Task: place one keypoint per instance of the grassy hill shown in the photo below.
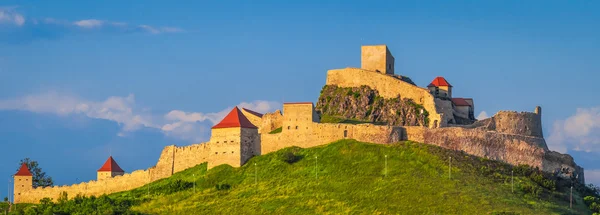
(350, 177)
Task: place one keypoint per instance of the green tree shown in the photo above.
(40, 179)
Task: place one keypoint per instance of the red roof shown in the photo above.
(235, 119)
(23, 171)
(439, 82)
(253, 112)
(460, 102)
(110, 166)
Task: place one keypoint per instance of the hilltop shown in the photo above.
(350, 177)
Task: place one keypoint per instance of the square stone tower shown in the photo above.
(233, 141)
(23, 182)
(377, 58)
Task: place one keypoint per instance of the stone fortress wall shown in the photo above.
(173, 159)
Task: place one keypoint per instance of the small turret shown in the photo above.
(110, 169)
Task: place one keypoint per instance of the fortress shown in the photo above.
(512, 137)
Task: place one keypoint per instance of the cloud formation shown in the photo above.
(579, 132)
(123, 110)
(8, 15)
(22, 26)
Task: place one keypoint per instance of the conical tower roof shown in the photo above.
(235, 119)
(23, 171)
(110, 166)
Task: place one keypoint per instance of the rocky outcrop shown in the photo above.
(365, 104)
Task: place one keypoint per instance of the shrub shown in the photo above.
(177, 186)
(290, 157)
(221, 187)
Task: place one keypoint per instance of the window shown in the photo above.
(19, 179)
(216, 153)
(225, 141)
(345, 133)
(231, 152)
(288, 127)
(296, 127)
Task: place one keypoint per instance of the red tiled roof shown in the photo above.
(235, 119)
(253, 112)
(110, 166)
(297, 103)
(23, 171)
(460, 102)
(439, 82)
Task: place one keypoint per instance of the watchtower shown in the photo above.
(233, 141)
(109, 169)
(377, 58)
(23, 182)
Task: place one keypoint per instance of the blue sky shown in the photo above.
(80, 81)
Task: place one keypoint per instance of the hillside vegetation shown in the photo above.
(345, 177)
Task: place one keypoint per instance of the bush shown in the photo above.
(177, 186)
(221, 187)
(533, 190)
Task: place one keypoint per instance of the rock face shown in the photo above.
(365, 104)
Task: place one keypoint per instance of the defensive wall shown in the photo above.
(391, 87)
(316, 134)
(173, 159)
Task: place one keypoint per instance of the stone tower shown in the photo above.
(23, 182)
(109, 169)
(377, 58)
(440, 88)
(233, 141)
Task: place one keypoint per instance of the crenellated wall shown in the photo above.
(391, 87)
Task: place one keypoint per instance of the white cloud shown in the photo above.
(184, 123)
(123, 110)
(10, 16)
(482, 115)
(89, 23)
(579, 132)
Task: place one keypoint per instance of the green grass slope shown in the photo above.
(350, 177)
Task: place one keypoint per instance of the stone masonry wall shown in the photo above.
(316, 134)
(514, 149)
(270, 122)
(173, 159)
(512, 122)
(389, 87)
